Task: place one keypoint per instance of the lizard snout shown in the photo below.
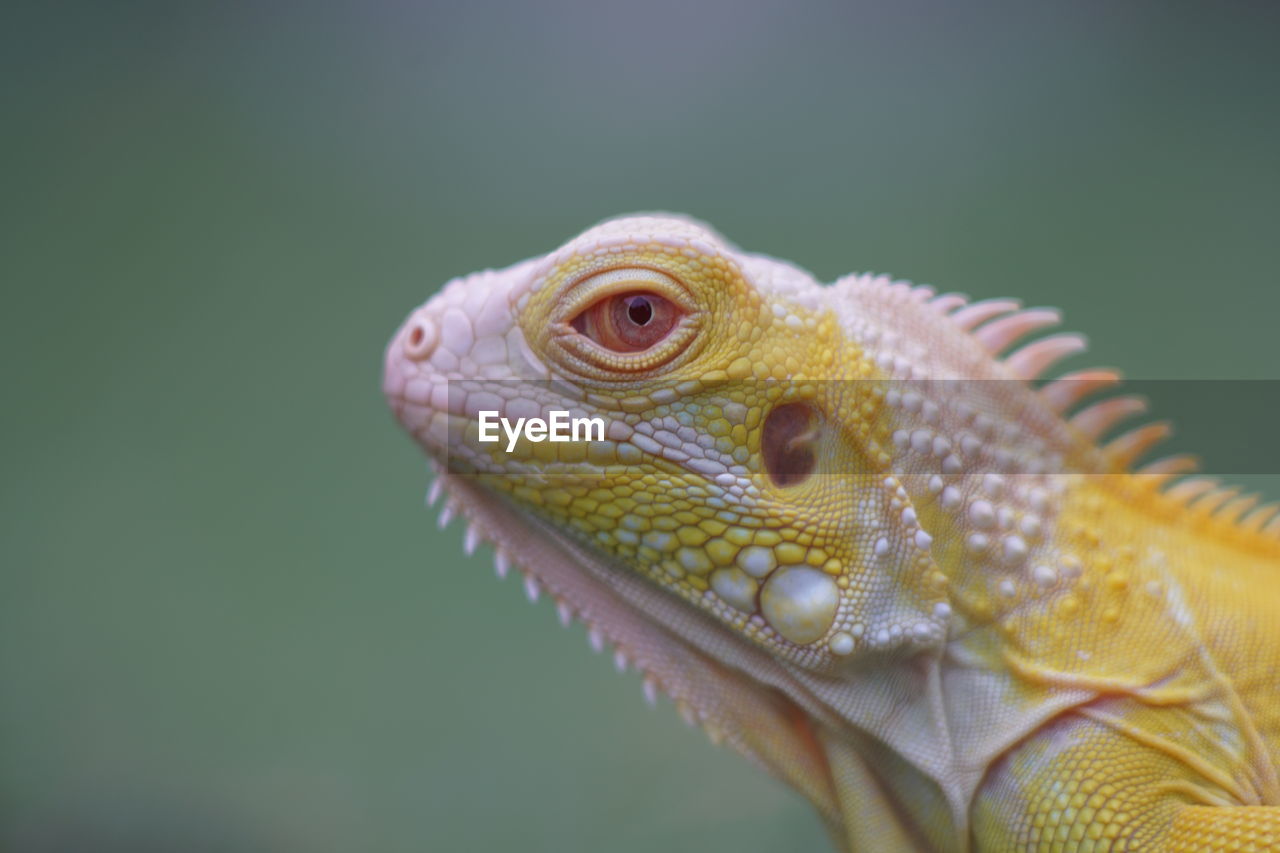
(407, 365)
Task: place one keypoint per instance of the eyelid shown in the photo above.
(601, 285)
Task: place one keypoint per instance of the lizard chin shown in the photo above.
(614, 604)
(738, 693)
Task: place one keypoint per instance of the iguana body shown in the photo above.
(846, 535)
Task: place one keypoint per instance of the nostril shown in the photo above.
(420, 341)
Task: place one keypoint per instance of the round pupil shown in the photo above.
(639, 311)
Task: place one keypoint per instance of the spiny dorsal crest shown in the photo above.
(999, 324)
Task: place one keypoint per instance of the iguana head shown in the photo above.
(798, 497)
(743, 473)
(808, 514)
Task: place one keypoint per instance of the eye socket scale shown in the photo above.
(628, 322)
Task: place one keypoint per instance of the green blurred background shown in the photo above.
(226, 622)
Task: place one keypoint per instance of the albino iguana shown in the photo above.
(846, 532)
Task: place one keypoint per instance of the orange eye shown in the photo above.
(628, 322)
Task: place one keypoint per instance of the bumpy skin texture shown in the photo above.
(963, 624)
